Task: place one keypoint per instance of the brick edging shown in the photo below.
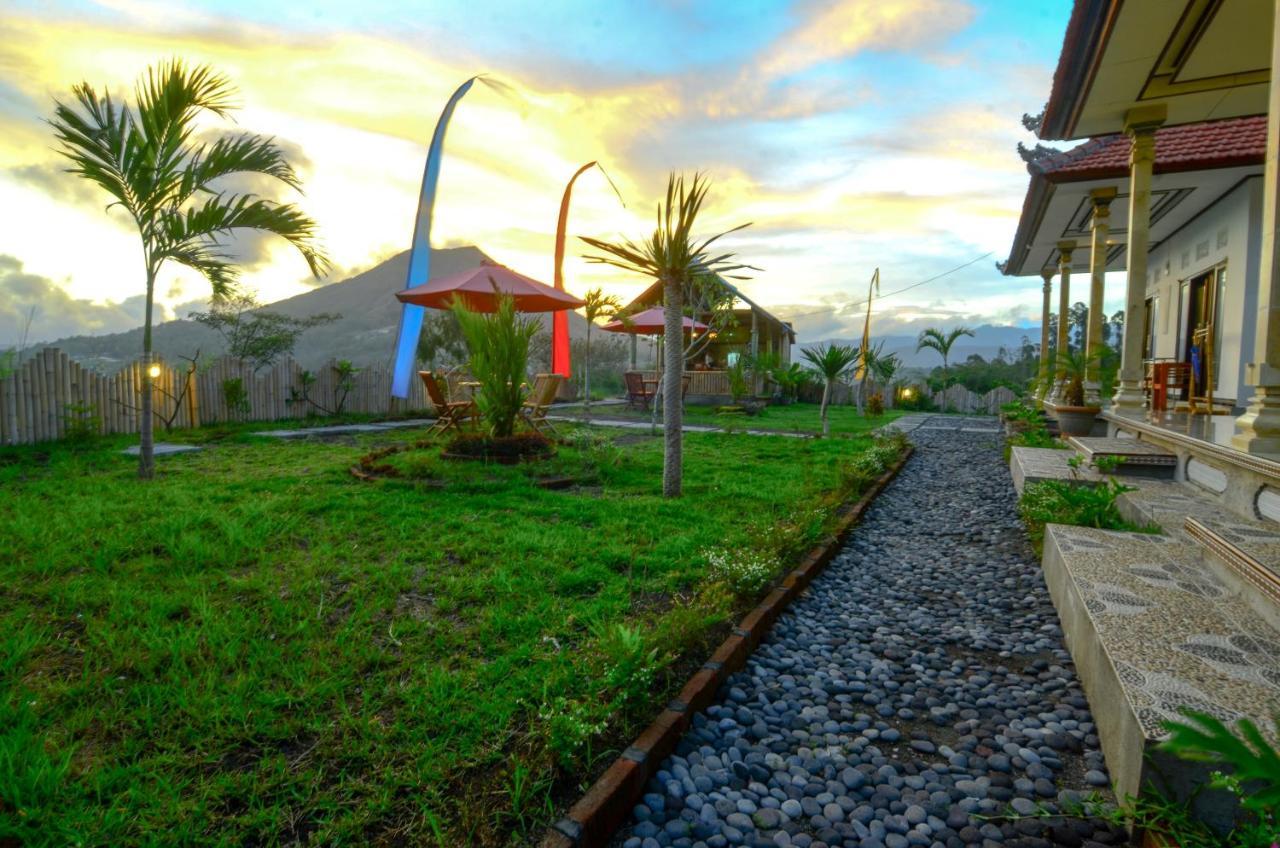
(592, 821)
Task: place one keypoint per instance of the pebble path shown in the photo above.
(918, 694)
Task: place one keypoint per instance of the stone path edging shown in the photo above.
(597, 815)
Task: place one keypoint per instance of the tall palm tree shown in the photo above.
(147, 158)
(935, 339)
(832, 362)
(677, 260)
(598, 305)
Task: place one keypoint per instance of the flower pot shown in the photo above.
(1076, 420)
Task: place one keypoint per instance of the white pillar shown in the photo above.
(1064, 311)
(1258, 429)
(1101, 227)
(1140, 126)
(1045, 311)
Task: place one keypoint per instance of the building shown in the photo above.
(1174, 182)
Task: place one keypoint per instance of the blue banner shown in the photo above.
(420, 254)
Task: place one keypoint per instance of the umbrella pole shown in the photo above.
(657, 397)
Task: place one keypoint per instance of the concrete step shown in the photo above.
(1136, 458)
(1035, 465)
(1154, 627)
(1248, 554)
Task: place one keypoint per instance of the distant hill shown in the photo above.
(987, 343)
(365, 334)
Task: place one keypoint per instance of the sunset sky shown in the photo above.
(852, 134)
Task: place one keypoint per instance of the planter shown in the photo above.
(1076, 420)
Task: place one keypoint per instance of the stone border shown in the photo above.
(598, 814)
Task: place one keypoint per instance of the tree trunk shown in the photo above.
(586, 376)
(673, 382)
(146, 448)
(826, 396)
(862, 393)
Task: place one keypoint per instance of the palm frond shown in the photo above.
(243, 154)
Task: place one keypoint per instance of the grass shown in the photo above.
(257, 648)
(1074, 504)
(795, 418)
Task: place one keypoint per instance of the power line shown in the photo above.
(883, 295)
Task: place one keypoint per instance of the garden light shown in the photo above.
(154, 371)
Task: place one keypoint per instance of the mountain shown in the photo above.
(365, 334)
(987, 343)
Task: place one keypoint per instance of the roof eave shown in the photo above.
(1039, 193)
(1087, 32)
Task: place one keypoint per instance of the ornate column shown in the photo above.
(1258, 429)
(1045, 312)
(1101, 226)
(1140, 126)
(1064, 311)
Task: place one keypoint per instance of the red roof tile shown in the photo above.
(1189, 147)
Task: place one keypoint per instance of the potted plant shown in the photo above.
(1075, 418)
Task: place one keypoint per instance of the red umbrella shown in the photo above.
(479, 288)
(651, 322)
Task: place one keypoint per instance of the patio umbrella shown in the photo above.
(650, 323)
(479, 288)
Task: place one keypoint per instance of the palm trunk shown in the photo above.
(586, 375)
(862, 393)
(826, 396)
(146, 451)
(672, 468)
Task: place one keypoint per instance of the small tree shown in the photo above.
(146, 158)
(935, 339)
(253, 335)
(832, 362)
(673, 257)
(598, 305)
(499, 345)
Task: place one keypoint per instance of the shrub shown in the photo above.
(875, 405)
(235, 396)
(746, 573)
(1054, 501)
(499, 346)
(82, 421)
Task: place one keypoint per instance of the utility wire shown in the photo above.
(883, 295)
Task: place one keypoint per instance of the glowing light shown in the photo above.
(908, 393)
(154, 371)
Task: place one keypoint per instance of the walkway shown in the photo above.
(634, 424)
(918, 693)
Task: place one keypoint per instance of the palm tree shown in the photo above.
(146, 157)
(598, 305)
(877, 365)
(677, 260)
(935, 339)
(832, 362)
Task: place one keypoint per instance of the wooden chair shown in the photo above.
(538, 401)
(449, 413)
(639, 395)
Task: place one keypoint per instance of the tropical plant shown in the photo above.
(935, 339)
(832, 362)
(252, 335)
(598, 305)
(1072, 367)
(790, 378)
(676, 259)
(1253, 762)
(736, 373)
(877, 365)
(147, 158)
(499, 346)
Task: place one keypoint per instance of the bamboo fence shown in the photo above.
(50, 396)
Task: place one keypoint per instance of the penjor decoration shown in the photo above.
(420, 253)
(560, 320)
(872, 291)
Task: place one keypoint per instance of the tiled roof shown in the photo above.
(1189, 147)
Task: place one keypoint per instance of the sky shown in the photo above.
(851, 134)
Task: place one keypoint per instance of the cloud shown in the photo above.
(56, 313)
(838, 30)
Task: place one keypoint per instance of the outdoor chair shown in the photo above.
(538, 401)
(639, 393)
(449, 413)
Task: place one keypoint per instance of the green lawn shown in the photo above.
(257, 648)
(797, 417)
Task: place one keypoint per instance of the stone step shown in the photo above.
(1249, 555)
(1136, 458)
(1164, 503)
(1035, 465)
(1154, 627)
